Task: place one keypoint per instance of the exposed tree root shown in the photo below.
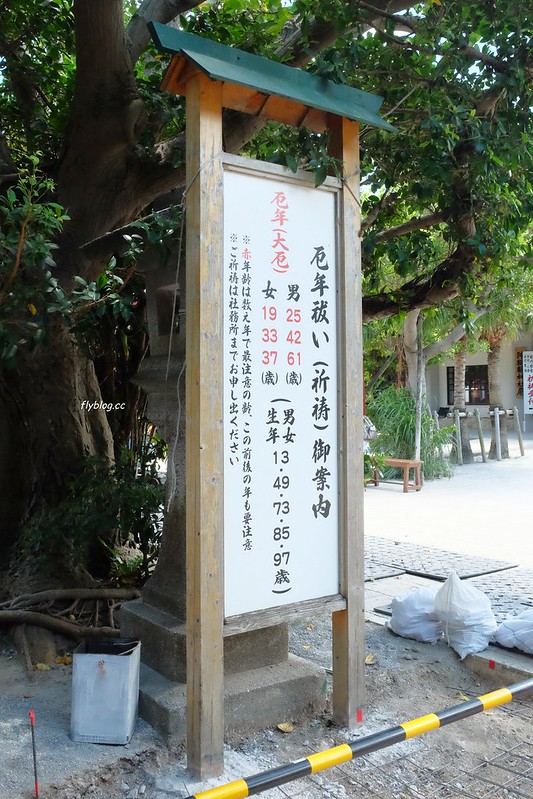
(60, 594)
(68, 628)
(38, 609)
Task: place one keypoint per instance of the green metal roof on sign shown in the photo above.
(268, 79)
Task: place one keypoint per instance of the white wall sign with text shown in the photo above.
(527, 372)
(281, 525)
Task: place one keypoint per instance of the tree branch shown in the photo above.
(455, 335)
(23, 89)
(408, 23)
(323, 33)
(373, 214)
(102, 58)
(442, 286)
(106, 120)
(8, 167)
(470, 52)
(420, 223)
(490, 61)
(18, 255)
(401, 21)
(153, 11)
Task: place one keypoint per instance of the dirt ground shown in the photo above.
(405, 679)
(488, 755)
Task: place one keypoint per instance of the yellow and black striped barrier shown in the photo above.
(240, 789)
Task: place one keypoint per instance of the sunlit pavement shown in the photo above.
(484, 509)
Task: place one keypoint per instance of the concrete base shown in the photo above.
(164, 643)
(252, 699)
(504, 666)
(263, 684)
(162, 638)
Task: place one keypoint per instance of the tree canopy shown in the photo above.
(89, 144)
(81, 86)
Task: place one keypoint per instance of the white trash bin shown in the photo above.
(105, 690)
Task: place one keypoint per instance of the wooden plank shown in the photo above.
(243, 98)
(297, 610)
(315, 120)
(277, 172)
(204, 426)
(348, 625)
(401, 463)
(283, 110)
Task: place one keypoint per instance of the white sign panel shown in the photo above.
(280, 392)
(527, 373)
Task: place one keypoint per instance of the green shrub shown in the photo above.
(372, 461)
(108, 506)
(393, 411)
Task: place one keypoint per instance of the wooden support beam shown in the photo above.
(348, 625)
(204, 430)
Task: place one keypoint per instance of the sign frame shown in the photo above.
(205, 628)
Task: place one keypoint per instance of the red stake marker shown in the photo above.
(32, 724)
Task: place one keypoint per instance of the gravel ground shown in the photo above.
(405, 679)
(48, 694)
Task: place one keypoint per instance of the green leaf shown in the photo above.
(291, 162)
(321, 174)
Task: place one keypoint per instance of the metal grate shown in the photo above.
(418, 770)
(506, 775)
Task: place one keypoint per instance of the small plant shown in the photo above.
(373, 461)
(394, 412)
(127, 564)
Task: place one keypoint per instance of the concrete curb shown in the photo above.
(501, 665)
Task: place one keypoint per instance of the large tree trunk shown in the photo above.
(101, 182)
(494, 338)
(459, 404)
(43, 400)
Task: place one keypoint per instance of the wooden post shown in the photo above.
(348, 625)
(518, 430)
(480, 435)
(204, 430)
(497, 434)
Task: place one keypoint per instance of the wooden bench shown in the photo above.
(406, 465)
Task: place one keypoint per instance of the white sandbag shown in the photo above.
(466, 616)
(517, 631)
(413, 616)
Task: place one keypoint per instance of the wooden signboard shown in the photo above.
(280, 289)
(527, 372)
